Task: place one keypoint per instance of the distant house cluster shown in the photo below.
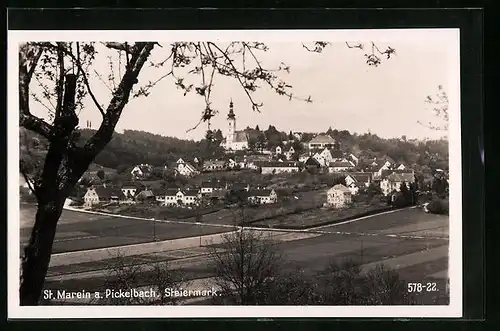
(209, 192)
(321, 154)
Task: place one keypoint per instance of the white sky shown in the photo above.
(347, 93)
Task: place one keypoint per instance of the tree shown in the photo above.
(439, 104)
(122, 168)
(383, 286)
(257, 128)
(62, 72)
(243, 263)
(101, 174)
(439, 185)
(346, 283)
(373, 190)
(65, 161)
(291, 288)
(125, 277)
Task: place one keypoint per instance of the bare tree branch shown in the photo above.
(81, 71)
(255, 106)
(26, 119)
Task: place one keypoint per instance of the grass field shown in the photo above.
(378, 239)
(80, 231)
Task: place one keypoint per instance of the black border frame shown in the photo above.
(469, 21)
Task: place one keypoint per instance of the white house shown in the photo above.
(214, 165)
(354, 158)
(102, 194)
(321, 160)
(262, 196)
(252, 161)
(289, 154)
(340, 166)
(178, 197)
(393, 181)
(338, 196)
(327, 156)
(357, 180)
(130, 189)
(208, 187)
(379, 167)
(278, 167)
(400, 166)
(142, 171)
(321, 141)
(186, 169)
(278, 150)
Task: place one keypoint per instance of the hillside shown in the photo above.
(134, 147)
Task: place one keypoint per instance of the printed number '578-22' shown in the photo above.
(422, 287)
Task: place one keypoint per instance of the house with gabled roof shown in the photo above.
(277, 167)
(322, 141)
(357, 180)
(252, 161)
(210, 186)
(378, 166)
(289, 153)
(387, 172)
(399, 166)
(340, 166)
(393, 181)
(182, 197)
(145, 196)
(321, 160)
(131, 188)
(142, 171)
(353, 158)
(339, 196)
(327, 156)
(186, 169)
(214, 165)
(263, 196)
(102, 194)
(312, 163)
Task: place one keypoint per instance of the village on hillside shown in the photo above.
(257, 176)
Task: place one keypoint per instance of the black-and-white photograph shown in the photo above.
(235, 168)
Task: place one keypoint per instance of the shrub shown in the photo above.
(438, 206)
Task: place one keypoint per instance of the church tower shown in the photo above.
(231, 118)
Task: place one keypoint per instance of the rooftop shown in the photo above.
(322, 139)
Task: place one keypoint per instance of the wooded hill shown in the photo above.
(135, 147)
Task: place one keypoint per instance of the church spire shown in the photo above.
(231, 115)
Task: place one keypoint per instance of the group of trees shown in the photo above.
(408, 195)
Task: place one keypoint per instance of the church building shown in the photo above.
(235, 140)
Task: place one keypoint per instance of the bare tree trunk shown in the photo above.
(65, 163)
(37, 253)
